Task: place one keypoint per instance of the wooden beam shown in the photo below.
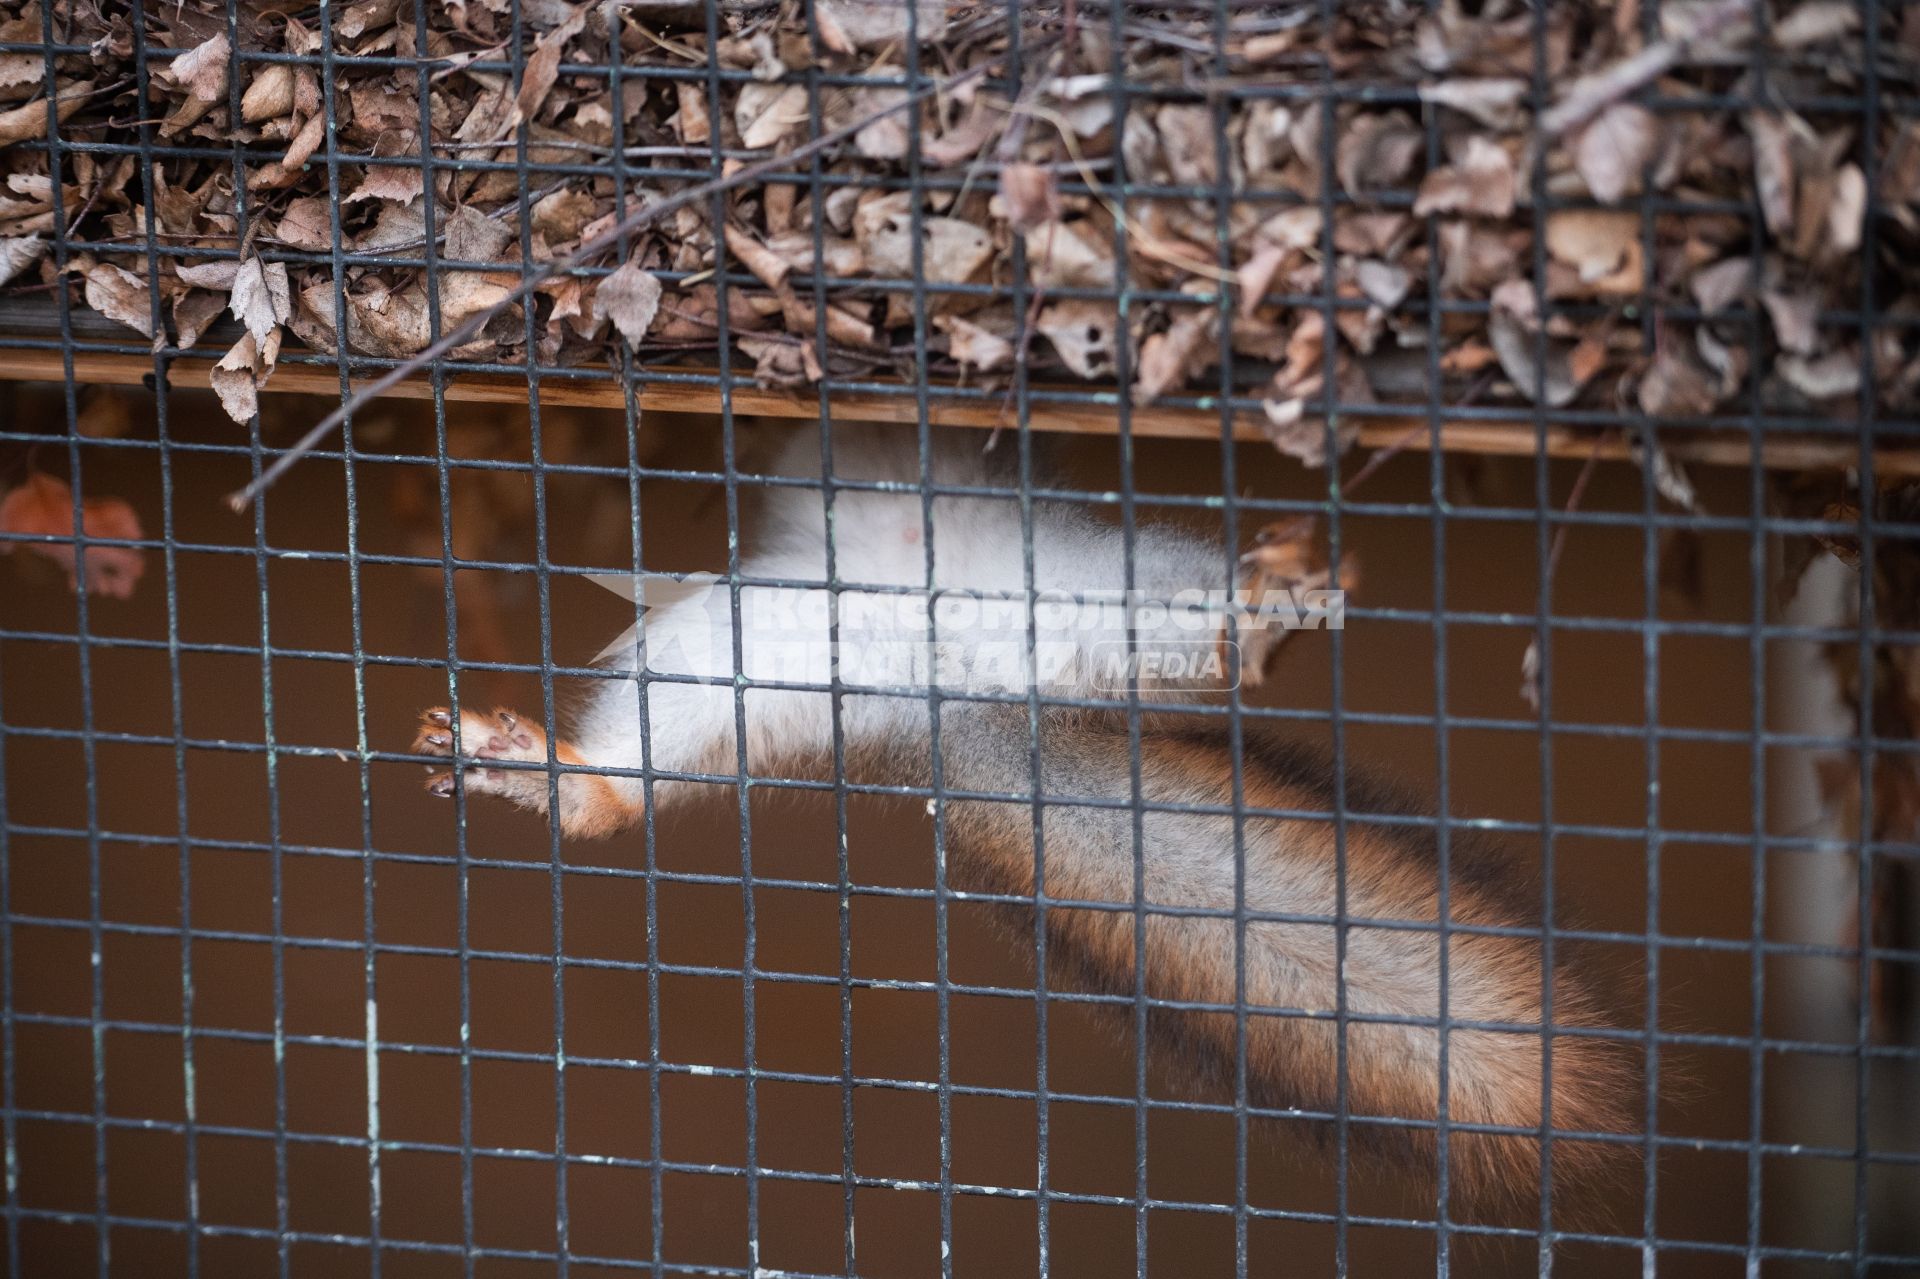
(1510, 439)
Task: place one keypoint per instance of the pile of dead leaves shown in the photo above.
(1593, 205)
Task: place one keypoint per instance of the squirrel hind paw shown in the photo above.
(476, 742)
(477, 737)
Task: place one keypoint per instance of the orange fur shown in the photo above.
(1292, 1057)
(591, 806)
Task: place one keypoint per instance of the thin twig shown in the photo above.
(1530, 660)
(1027, 326)
(86, 208)
(1380, 457)
(238, 501)
(1579, 491)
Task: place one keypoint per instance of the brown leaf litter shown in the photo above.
(1332, 251)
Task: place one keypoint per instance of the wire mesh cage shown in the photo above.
(1588, 329)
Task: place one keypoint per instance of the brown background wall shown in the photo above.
(311, 802)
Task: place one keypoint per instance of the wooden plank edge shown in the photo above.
(1507, 439)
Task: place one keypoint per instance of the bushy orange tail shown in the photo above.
(1290, 885)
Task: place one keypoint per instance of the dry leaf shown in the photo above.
(1083, 332)
(781, 362)
(951, 251)
(43, 506)
(464, 294)
(864, 24)
(1512, 329)
(1376, 151)
(1827, 377)
(1719, 286)
(472, 236)
(1530, 674)
(394, 225)
(1085, 102)
(30, 121)
(241, 372)
(1474, 258)
(1796, 319)
(202, 72)
(1267, 47)
(396, 182)
(1614, 150)
(1847, 214)
(630, 297)
(367, 15)
(1067, 255)
(1470, 357)
(1587, 358)
(217, 274)
(389, 322)
(118, 294)
(694, 126)
(1297, 228)
(305, 143)
(1255, 278)
(193, 312)
(1167, 360)
(1687, 26)
(543, 68)
(269, 94)
(562, 216)
(1302, 377)
(1674, 386)
(837, 256)
(766, 113)
(973, 346)
(1670, 479)
(767, 266)
(1495, 102)
(1187, 142)
(1385, 283)
(400, 183)
(886, 138)
(1816, 22)
(1728, 360)
(1482, 182)
(17, 253)
(18, 69)
(488, 120)
(1292, 432)
(306, 223)
(261, 298)
(1601, 246)
(1029, 196)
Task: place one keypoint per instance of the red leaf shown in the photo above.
(44, 506)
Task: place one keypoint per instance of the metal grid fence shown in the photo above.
(82, 346)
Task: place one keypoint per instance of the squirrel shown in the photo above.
(1280, 859)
